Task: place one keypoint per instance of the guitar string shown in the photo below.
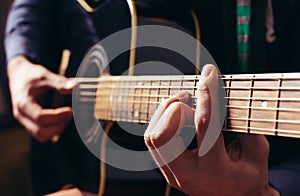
(144, 95)
(258, 119)
(112, 97)
(129, 87)
(129, 101)
(232, 128)
(246, 77)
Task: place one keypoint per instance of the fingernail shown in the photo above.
(207, 70)
(70, 84)
(183, 96)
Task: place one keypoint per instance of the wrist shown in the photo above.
(14, 63)
(17, 60)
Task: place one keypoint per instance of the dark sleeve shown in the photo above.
(286, 177)
(28, 27)
(41, 29)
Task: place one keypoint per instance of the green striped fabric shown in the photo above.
(243, 13)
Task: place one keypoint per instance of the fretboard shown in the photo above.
(261, 103)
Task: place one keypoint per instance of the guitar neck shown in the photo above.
(261, 103)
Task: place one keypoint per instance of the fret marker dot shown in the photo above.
(264, 104)
(110, 98)
(136, 113)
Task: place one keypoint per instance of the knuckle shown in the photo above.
(157, 140)
(21, 104)
(38, 118)
(169, 101)
(147, 140)
(203, 87)
(16, 113)
(176, 106)
(201, 123)
(39, 135)
(41, 74)
(174, 110)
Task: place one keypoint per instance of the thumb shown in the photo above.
(60, 83)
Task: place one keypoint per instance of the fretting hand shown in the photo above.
(29, 81)
(241, 169)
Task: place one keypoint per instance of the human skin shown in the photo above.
(239, 169)
(27, 82)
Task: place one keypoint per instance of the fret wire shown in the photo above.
(157, 99)
(181, 84)
(250, 102)
(148, 105)
(169, 88)
(158, 91)
(194, 91)
(140, 105)
(278, 103)
(228, 95)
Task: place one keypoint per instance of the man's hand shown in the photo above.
(27, 83)
(241, 169)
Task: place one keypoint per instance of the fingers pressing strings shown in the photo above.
(207, 119)
(162, 135)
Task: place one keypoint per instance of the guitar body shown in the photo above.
(119, 181)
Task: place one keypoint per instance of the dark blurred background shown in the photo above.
(14, 141)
